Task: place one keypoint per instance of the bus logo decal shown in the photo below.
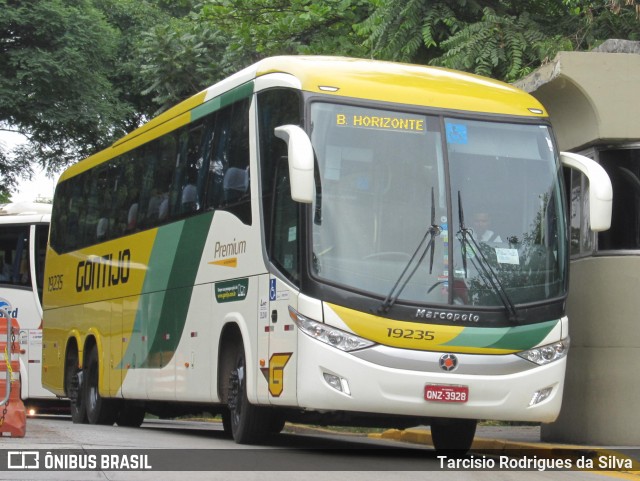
(98, 272)
(5, 307)
(230, 291)
(448, 362)
(226, 255)
(274, 374)
(422, 313)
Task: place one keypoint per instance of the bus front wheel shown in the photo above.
(248, 423)
(453, 436)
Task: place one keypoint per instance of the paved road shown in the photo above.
(175, 448)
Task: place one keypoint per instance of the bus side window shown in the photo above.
(285, 236)
(275, 107)
(185, 196)
(14, 255)
(228, 182)
(158, 208)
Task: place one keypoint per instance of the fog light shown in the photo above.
(337, 383)
(333, 381)
(540, 395)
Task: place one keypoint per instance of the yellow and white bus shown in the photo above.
(302, 241)
(24, 229)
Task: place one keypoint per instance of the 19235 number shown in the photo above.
(55, 283)
(418, 334)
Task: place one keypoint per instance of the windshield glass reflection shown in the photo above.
(382, 185)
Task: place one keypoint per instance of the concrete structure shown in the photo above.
(594, 102)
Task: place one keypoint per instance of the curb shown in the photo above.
(519, 449)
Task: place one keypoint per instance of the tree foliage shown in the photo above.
(178, 59)
(79, 73)
(71, 79)
(55, 85)
(504, 39)
(256, 29)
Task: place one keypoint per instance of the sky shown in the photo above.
(40, 186)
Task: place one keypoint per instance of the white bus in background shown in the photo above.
(24, 228)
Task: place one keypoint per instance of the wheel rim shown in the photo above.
(92, 391)
(74, 384)
(236, 392)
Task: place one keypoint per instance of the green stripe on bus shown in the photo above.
(478, 337)
(217, 103)
(179, 288)
(167, 288)
(518, 338)
(522, 338)
(162, 257)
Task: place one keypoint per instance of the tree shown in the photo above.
(220, 37)
(178, 59)
(55, 86)
(77, 74)
(503, 39)
(71, 79)
(255, 29)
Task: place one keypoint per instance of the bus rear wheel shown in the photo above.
(74, 388)
(130, 415)
(453, 436)
(249, 424)
(99, 409)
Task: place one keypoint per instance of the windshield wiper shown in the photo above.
(482, 264)
(432, 232)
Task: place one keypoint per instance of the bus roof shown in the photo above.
(24, 209)
(376, 80)
(404, 83)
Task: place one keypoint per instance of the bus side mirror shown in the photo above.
(600, 190)
(301, 159)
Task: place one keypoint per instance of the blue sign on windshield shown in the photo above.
(456, 133)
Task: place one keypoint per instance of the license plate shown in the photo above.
(446, 393)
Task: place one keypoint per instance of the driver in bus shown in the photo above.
(482, 228)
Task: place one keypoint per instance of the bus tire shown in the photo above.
(226, 423)
(99, 410)
(276, 422)
(74, 388)
(249, 424)
(130, 415)
(453, 436)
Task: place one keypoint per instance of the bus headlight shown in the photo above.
(332, 336)
(546, 354)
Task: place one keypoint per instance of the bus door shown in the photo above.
(284, 250)
(279, 369)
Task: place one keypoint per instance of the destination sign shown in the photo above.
(404, 124)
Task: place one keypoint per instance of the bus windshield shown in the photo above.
(422, 206)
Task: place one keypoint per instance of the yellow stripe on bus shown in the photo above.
(409, 335)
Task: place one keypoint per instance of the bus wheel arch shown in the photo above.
(230, 342)
(247, 423)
